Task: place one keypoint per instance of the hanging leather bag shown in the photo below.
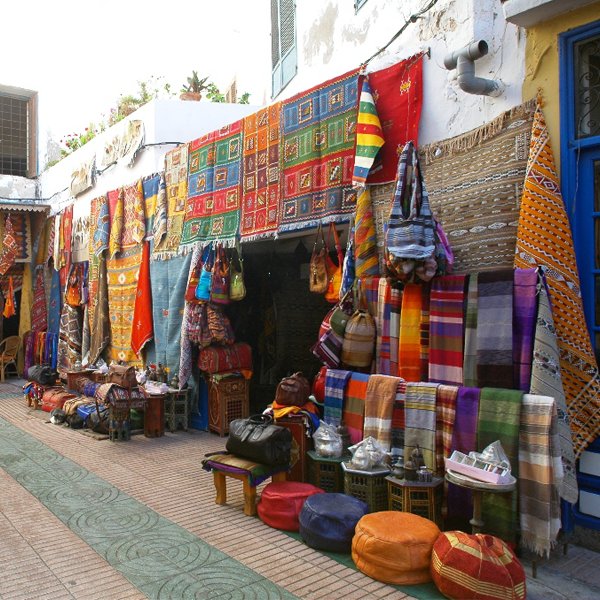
(334, 272)
(122, 375)
(318, 265)
(293, 390)
(257, 438)
(219, 288)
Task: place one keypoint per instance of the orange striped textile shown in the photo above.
(544, 239)
(409, 345)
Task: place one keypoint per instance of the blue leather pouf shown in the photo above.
(327, 521)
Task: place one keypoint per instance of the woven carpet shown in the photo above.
(544, 239)
(319, 134)
(214, 187)
(168, 279)
(166, 240)
(260, 195)
(150, 187)
(478, 205)
(122, 274)
(398, 94)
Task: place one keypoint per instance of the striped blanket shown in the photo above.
(420, 414)
(470, 352)
(335, 385)
(445, 406)
(379, 408)
(382, 348)
(409, 344)
(525, 311)
(446, 329)
(540, 473)
(495, 329)
(499, 419)
(353, 412)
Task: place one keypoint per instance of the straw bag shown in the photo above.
(318, 265)
(359, 340)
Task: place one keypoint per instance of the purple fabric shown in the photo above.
(464, 439)
(524, 320)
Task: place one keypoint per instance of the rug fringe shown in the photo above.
(257, 237)
(476, 137)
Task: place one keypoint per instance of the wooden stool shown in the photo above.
(247, 471)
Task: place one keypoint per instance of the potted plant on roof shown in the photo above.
(193, 90)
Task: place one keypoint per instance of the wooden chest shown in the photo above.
(302, 442)
(227, 400)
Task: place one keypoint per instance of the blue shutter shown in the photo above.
(284, 52)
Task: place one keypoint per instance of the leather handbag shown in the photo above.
(293, 390)
(122, 376)
(318, 265)
(257, 438)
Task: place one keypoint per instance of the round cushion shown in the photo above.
(327, 521)
(281, 501)
(394, 547)
(477, 567)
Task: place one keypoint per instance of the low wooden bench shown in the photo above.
(247, 471)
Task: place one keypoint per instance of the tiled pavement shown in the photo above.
(84, 518)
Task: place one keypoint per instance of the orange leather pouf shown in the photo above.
(281, 502)
(394, 547)
(476, 567)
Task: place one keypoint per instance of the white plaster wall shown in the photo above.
(17, 187)
(164, 121)
(332, 39)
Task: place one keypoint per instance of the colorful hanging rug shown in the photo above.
(475, 182)
(546, 380)
(21, 222)
(544, 239)
(499, 419)
(167, 234)
(39, 312)
(319, 135)
(214, 187)
(420, 414)
(69, 341)
(122, 276)
(134, 220)
(142, 330)
(398, 95)
(168, 279)
(260, 195)
(99, 224)
(115, 208)
(495, 329)
(150, 187)
(446, 329)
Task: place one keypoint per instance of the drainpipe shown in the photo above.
(463, 61)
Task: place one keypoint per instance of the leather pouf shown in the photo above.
(281, 502)
(476, 567)
(394, 547)
(327, 521)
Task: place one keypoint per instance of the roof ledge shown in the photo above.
(528, 13)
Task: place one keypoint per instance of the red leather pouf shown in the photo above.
(281, 502)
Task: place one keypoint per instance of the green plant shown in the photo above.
(74, 141)
(214, 94)
(195, 84)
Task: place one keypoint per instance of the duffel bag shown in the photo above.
(257, 438)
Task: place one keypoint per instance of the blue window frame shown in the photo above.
(580, 158)
(284, 53)
(358, 4)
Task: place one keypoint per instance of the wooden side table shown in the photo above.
(227, 400)
(478, 488)
(423, 498)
